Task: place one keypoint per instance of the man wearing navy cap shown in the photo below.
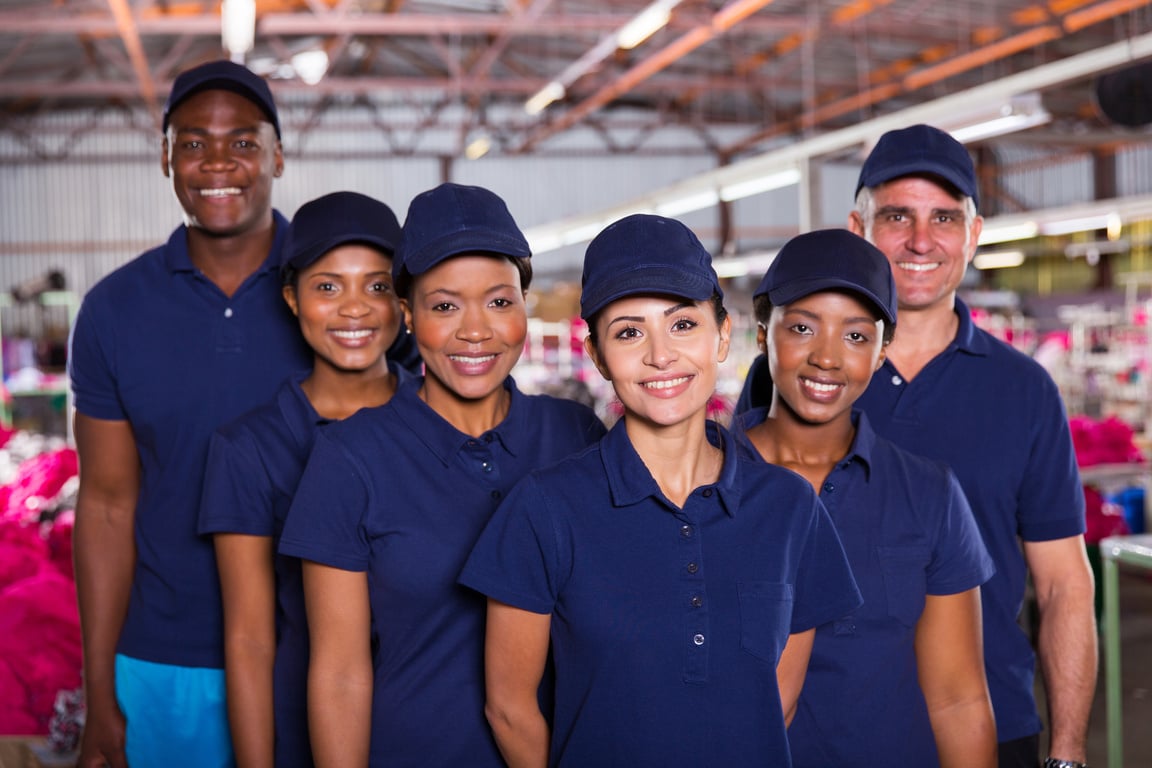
(165, 349)
(952, 392)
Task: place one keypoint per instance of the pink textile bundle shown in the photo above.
(39, 623)
(1108, 441)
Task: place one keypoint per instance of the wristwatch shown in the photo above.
(1052, 762)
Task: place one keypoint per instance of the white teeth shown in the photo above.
(220, 192)
(915, 266)
(666, 384)
(821, 387)
(352, 334)
(471, 360)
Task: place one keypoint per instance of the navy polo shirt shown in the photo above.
(158, 344)
(667, 622)
(995, 417)
(908, 533)
(254, 465)
(399, 492)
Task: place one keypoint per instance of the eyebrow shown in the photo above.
(887, 209)
(858, 319)
(492, 289)
(639, 319)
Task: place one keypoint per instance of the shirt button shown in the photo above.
(896, 381)
(496, 495)
(686, 531)
(487, 438)
(698, 639)
(692, 567)
(707, 493)
(486, 466)
(228, 312)
(472, 443)
(697, 601)
(829, 487)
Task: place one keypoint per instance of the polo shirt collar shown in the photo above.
(863, 444)
(630, 482)
(443, 439)
(298, 411)
(176, 257)
(967, 338)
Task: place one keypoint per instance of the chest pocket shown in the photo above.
(765, 618)
(905, 583)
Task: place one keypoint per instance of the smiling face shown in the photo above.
(348, 312)
(822, 351)
(221, 154)
(470, 322)
(922, 230)
(661, 355)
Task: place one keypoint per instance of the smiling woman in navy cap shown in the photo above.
(338, 282)
(678, 580)
(393, 498)
(899, 681)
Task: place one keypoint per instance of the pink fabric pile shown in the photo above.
(39, 623)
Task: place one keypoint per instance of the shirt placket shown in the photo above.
(694, 593)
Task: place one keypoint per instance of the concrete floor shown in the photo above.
(1136, 670)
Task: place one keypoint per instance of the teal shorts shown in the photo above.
(177, 716)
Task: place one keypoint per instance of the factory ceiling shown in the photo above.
(728, 78)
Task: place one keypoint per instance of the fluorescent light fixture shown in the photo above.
(545, 96)
(311, 66)
(693, 201)
(755, 263)
(998, 126)
(581, 233)
(544, 242)
(1079, 224)
(1024, 110)
(759, 185)
(478, 147)
(998, 259)
(238, 27)
(1005, 233)
(646, 23)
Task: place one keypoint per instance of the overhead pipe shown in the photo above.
(725, 19)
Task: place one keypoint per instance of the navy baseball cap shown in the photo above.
(919, 150)
(223, 75)
(643, 253)
(453, 219)
(830, 260)
(335, 219)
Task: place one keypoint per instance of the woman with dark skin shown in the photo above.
(900, 681)
(392, 500)
(338, 282)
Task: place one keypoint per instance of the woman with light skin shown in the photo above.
(338, 282)
(899, 681)
(677, 580)
(393, 498)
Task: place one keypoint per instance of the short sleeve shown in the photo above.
(517, 559)
(825, 588)
(1051, 498)
(90, 366)
(238, 495)
(325, 521)
(960, 561)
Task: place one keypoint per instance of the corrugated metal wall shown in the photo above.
(90, 195)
